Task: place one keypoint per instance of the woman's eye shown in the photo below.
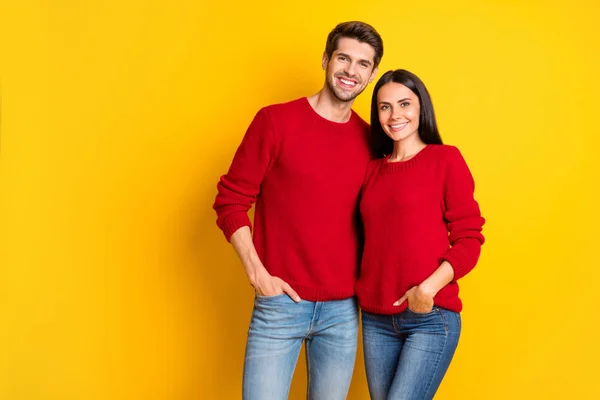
(405, 104)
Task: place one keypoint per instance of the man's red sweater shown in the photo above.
(416, 214)
(305, 174)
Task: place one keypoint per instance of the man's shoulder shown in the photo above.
(292, 106)
(360, 121)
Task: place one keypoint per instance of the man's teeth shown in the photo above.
(345, 82)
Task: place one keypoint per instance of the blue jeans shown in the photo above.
(408, 354)
(279, 327)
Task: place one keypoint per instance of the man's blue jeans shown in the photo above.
(408, 354)
(278, 328)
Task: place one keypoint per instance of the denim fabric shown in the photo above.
(408, 354)
(279, 327)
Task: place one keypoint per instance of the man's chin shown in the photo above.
(342, 95)
(345, 97)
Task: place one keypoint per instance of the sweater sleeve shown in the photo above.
(462, 216)
(239, 188)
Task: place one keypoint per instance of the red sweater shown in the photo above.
(305, 174)
(416, 214)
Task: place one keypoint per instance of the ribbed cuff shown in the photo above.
(234, 222)
(459, 268)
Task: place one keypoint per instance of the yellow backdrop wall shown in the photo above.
(118, 117)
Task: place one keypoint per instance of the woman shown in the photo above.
(422, 233)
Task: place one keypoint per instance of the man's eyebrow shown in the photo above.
(361, 60)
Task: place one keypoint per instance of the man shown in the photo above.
(303, 163)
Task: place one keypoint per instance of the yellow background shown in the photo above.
(119, 116)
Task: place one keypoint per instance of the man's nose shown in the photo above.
(350, 69)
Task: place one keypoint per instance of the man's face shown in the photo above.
(350, 69)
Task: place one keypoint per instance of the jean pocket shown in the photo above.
(433, 310)
(269, 298)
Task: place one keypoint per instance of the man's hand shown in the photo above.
(267, 285)
(264, 283)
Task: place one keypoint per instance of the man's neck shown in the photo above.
(329, 107)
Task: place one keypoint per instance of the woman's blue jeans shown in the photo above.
(408, 354)
(280, 326)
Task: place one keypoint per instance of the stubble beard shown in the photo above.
(340, 94)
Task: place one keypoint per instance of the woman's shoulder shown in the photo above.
(446, 149)
(372, 167)
(374, 164)
(447, 152)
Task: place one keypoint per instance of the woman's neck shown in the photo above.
(406, 149)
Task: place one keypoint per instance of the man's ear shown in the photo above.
(324, 61)
(373, 74)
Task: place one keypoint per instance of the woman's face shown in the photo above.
(399, 111)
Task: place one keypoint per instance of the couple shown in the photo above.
(322, 179)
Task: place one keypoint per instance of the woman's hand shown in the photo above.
(419, 298)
